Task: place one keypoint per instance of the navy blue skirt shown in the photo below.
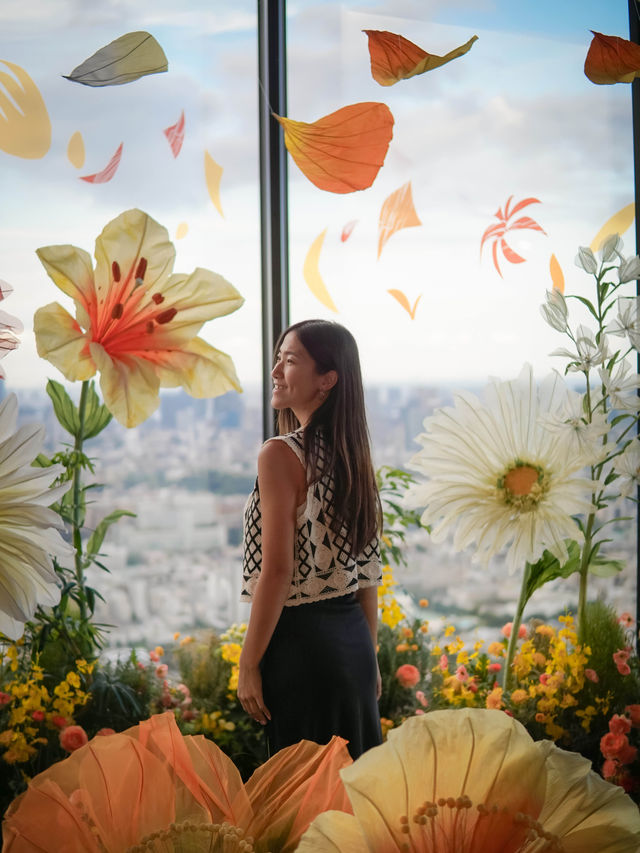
(319, 676)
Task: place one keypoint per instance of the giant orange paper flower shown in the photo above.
(151, 788)
(136, 322)
(395, 58)
(344, 151)
(611, 59)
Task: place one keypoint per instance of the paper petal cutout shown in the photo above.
(557, 276)
(182, 230)
(108, 172)
(510, 255)
(312, 276)
(5, 289)
(397, 212)
(611, 59)
(402, 299)
(212, 175)
(343, 151)
(121, 61)
(497, 231)
(348, 228)
(25, 126)
(75, 150)
(175, 135)
(618, 224)
(395, 58)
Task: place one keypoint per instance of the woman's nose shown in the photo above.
(276, 370)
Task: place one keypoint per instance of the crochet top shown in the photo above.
(323, 566)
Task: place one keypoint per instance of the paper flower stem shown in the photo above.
(77, 493)
(507, 674)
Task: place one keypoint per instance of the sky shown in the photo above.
(514, 117)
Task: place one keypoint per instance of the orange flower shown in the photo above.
(72, 738)
(135, 322)
(408, 675)
(152, 785)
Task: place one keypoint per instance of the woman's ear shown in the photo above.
(328, 380)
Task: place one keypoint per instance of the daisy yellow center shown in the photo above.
(522, 486)
(457, 825)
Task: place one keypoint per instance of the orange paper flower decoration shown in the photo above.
(612, 60)
(151, 788)
(496, 232)
(344, 151)
(395, 58)
(396, 212)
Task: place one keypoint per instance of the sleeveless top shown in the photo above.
(323, 566)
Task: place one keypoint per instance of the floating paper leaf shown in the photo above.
(397, 212)
(497, 231)
(175, 135)
(182, 230)
(611, 59)
(395, 58)
(311, 273)
(618, 224)
(75, 150)
(25, 126)
(402, 299)
(348, 228)
(557, 276)
(121, 61)
(212, 175)
(108, 172)
(344, 151)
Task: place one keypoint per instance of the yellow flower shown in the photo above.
(136, 323)
(496, 649)
(519, 696)
(473, 780)
(494, 699)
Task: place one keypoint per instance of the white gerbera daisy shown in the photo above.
(28, 538)
(499, 478)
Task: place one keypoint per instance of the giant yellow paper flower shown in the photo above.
(499, 477)
(473, 781)
(153, 789)
(136, 322)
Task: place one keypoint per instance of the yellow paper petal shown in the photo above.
(212, 174)
(75, 150)
(202, 370)
(123, 60)
(402, 299)
(71, 269)
(618, 224)
(25, 126)
(397, 212)
(312, 276)
(182, 230)
(129, 386)
(333, 832)
(61, 341)
(201, 296)
(557, 276)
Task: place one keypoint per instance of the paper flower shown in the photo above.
(495, 233)
(9, 326)
(150, 788)
(473, 780)
(28, 535)
(135, 322)
(498, 478)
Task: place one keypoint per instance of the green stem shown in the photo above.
(584, 575)
(507, 675)
(77, 493)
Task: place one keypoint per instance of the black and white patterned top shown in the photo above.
(323, 566)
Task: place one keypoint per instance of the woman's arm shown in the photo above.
(368, 599)
(281, 481)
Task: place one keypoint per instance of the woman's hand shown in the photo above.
(250, 693)
(378, 682)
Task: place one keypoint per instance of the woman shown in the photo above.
(308, 668)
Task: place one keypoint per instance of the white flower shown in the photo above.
(629, 269)
(10, 326)
(28, 539)
(621, 387)
(498, 478)
(611, 247)
(588, 354)
(570, 421)
(586, 260)
(555, 310)
(627, 323)
(627, 465)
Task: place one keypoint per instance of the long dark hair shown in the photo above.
(342, 422)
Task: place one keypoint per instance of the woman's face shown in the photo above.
(297, 385)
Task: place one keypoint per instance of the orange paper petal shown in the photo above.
(175, 135)
(348, 228)
(108, 172)
(344, 151)
(611, 59)
(397, 212)
(402, 299)
(395, 58)
(557, 276)
(312, 276)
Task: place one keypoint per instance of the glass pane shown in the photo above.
(187, 470)
(434, 308)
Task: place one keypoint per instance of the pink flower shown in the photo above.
(544, 677)
(162, 670)
(72, 738)
(633, 712)
(105, 732)
(626, 619)
(419, 712)
(522, 630)
(620, 659)
(619, 725)
(408, 675)
(444, 663)
(59, 722)
(610, 769)
(154, 656)
(38, 716)
(617, 746)
(473, 687)
(184, 689)
(5, 698)
(592, 675)
(494, 667)
(422, 699)
(166, 700)
(462, 674)
(188, 715)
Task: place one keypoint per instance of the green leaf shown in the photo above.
(121, 61)
(64, 407)
(548, 568)
(97, 537)
(42, 461)
(97, 416)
